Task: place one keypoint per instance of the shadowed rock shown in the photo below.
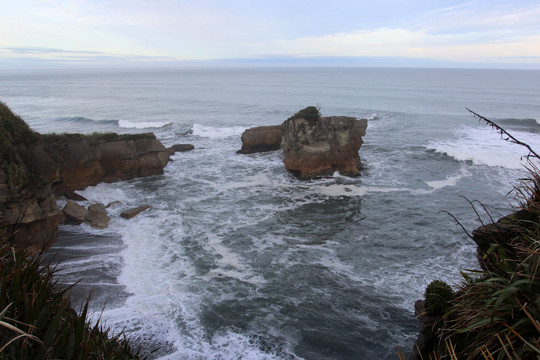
(179, 148)
(128, 214)
(97, 216)
(261, 139)
(74, 212)
(75, 162)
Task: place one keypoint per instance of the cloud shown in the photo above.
(171, 30)
(472, 47)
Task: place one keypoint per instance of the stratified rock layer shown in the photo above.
(40, 169)
(323, 146)
(76, 163)
(261, 139)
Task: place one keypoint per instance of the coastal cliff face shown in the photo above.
(28, 212)
(34, 168)
(322, 146)
(76, 162)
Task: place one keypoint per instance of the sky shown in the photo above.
(431, 33)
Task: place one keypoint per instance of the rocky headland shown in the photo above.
(36, 168)
(312, 145)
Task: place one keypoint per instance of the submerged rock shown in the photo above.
(97, 216)
(179, 148)
(321, 146)
(128, 214)
(261, 139)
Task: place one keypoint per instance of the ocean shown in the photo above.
(237, 259)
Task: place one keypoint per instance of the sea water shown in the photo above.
(237, 259)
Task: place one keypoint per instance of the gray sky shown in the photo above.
(421, 32)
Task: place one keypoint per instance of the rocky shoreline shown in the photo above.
(36, 169)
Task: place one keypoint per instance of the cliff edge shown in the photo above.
(34, 168)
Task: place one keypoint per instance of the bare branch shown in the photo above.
(507, 136)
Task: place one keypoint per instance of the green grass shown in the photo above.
(13, 130)
(37, 321)
(311, 114)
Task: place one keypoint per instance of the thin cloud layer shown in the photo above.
(96, 31)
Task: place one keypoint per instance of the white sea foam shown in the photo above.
(142, 124)
(217, 132)
(483, 146)
(449, 181)
(230, 264)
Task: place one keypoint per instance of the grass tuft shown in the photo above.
(37, 321)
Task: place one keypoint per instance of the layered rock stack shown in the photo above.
(323, 146)
(313, 146)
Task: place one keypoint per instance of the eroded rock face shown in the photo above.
(29, 215)
(261, 139)
(29, 211)
(74, 164)
(320, 147)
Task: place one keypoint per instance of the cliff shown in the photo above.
(34, 168)
(76, 161)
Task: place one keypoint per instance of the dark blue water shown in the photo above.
(239, 260)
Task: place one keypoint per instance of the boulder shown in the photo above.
(72, 195)
(113, 204)
(74, 212)
(179, 148)
(129, 213)
(261, 139)
(97, 216)
(321, 146)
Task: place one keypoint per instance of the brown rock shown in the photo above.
(113, 204)
(128, 214)
(180, 148)
(72, 195)
(261, 139)
(79, 162)
(74, 212)
(97, 216)
(320, 147)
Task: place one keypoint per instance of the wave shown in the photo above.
(522, 124)
(217, 132)
(483, 146)
(83, 120)
(142, 124)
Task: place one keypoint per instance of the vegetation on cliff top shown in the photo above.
(311, 114)
(37, 321)
(495, 313)
(13, 130)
